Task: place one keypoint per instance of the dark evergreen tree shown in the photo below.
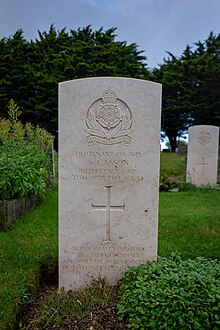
(191, 88)
(30, 72)
(206, 82)
(176, 116)
(15, 58)
(48, 68)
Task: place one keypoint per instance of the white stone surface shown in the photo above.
(109, 149)
(202, 155)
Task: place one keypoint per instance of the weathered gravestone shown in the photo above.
(202, 155)
(109, 173)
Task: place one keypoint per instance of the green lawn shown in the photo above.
(189, 223)
(30, 246)
(173, 165)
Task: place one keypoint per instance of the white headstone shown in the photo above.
(202, 155)
(109, 135)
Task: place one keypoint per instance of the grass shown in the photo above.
(173, 165)
(188, 223)
(24, 251)
(62, 309)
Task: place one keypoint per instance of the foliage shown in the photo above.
(167, 185)
(172, 294)
(191, 90)
(15, 72)
(25, 165)
(30, 71)
(24, 170)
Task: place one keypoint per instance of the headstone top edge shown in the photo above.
(109, 78)
(203, 127)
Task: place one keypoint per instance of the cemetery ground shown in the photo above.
(29, 298)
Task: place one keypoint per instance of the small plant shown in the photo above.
(172, 294)
(13, 111)
(166, 184)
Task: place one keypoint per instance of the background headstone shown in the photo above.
(202, 155)
(109, 149)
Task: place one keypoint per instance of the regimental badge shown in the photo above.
(204, 137)
(109, 121)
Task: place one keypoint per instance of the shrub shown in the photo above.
(166, 184)
(172, 294)
(25, 164)
(191, 187)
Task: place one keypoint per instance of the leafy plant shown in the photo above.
(24, 172)
(167, 185)
(172, 294)
(25, 164)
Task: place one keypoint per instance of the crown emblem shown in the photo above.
(109, 97)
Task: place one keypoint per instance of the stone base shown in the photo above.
(11, 210)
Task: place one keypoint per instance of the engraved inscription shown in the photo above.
(107, 209)
(109, 121)
(204, 137)
(109, 166)
(105, 258)
(96, 154)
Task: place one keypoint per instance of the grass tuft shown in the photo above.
(61, 309)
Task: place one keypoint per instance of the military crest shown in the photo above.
(204, 137)
(109, 120)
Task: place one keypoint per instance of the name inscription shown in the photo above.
(111, 167)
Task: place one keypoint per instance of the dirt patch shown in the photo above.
(99, 319)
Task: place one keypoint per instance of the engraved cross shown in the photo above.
(107, 209)
(203, 164)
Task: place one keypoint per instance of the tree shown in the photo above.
(57, 56)
(206, 78)
(14, 63)
(48, 68)
(175, 112)
(191, 88)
